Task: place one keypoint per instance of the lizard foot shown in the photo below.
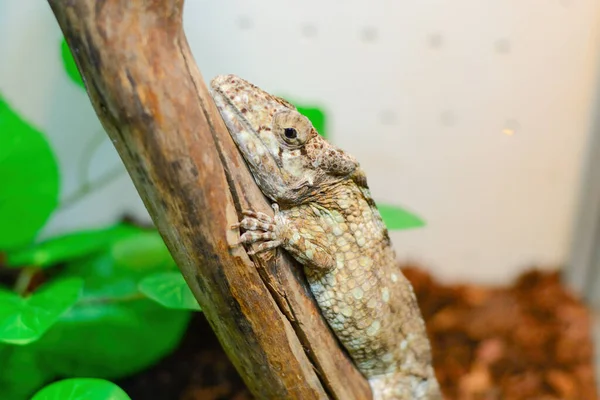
(260, 228)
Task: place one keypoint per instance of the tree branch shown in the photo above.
(154, 105)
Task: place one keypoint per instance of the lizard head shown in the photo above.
(288, 159)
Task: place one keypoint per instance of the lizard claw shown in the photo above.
(260, 228)
(257, 215)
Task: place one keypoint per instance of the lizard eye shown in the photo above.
(292, 128)
(290, 133)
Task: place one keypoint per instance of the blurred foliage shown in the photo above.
(119, 330)
(74, 308)
(25, 319)
(316, 117)
(170, 290)
(90, 319)
(397, 218)
(81, 388)
(67, 247)
(29, 179)
(69, 64)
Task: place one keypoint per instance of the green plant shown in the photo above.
(90, 318)
(88, 303)
(81, 388)
(30, 180)
(69, 64)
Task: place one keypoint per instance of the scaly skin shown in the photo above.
(325, 217)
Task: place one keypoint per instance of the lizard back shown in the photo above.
(366, 300)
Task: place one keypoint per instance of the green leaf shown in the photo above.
(396, 218)
(68, 247)
(111, 340)
(81, 389)
(316, 117)
(142, 251)
(24, 320)
(113, 330)
(70, 65)
(115, 272)
(170, 290)
(29, 179)
(21, 374)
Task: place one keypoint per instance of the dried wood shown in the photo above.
(152, 101)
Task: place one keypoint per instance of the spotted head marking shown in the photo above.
(287, 157)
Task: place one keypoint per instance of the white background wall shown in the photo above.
(474, 114)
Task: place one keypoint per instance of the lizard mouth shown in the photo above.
(264, 166)
(240, 129)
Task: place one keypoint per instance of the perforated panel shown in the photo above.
(473, 114)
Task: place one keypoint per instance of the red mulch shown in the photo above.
(530, 341)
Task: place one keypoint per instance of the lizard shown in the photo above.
(326, 218)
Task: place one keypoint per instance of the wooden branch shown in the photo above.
(154, 105)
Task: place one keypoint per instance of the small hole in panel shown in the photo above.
(435, 40)
(369, 34)
(502, 46)
(448, 118)
(387, 117)
(245, 23)
(309, 30)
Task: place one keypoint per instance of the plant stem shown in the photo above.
(107, 299)
(86, 187)
(24, 280)
(91, 186)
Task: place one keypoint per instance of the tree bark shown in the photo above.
(153, 103)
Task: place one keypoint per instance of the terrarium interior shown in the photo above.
(475, 123)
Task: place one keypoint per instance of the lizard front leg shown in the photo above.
(289, 231)
(261, 229)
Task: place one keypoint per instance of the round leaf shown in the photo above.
(81, 389)
(111, 340)
(24, 320)
(170, 290)
(70, 65)
(396, 218)
(316, 117)
(142, 251)
(30, 180)
(21, 373)
(68, 247)
(113, 330)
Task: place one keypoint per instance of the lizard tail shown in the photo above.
(396, 386)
